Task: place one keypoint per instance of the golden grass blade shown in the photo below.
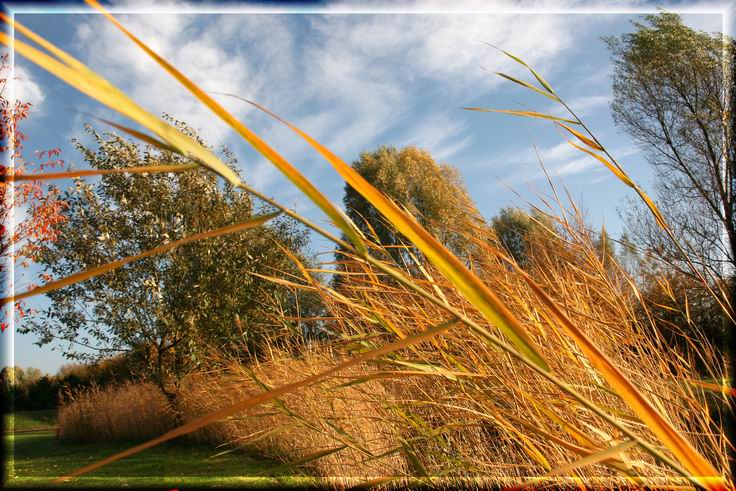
(62, 55)
(408, 373)
(613, 168)
(694, 462)
(723, 389)
(581, 137)
(591, 459)
(265, 397)
(474, 290)
(618, 172)
(148, 169)
(659, 218)
(296, 177)
(539, 78)
(530, 114)
(549, 95)
(103, 91)
(106, 268)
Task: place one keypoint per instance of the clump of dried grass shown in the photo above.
(303, 424)
(127, 412)
(459, 408)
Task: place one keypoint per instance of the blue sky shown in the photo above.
(356, 79)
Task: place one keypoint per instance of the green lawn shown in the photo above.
(31, 420)
(35, 459)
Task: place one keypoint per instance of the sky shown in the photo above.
(355, 76)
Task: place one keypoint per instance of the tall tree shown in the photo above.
(433, 193)
(165, 310)
(670, 95)
(673, 92)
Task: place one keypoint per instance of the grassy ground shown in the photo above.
(35, 459)
(31, 420)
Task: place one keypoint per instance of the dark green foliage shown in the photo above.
(519, 232)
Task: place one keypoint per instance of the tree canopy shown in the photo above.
(166, 310)
(670, 96)
(432, 192)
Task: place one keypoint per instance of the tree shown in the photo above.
(433, 193)
(673, 92)
(519, 232)
(165, 311)
(29, 213)
(670, 96)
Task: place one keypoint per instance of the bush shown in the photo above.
(128, 412)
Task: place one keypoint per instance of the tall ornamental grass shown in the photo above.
(524, 375)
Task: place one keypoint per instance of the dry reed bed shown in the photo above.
(454, 407)
(302, 424)
(128, 412)
(460, 407)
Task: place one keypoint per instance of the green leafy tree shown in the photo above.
(167, 311)
(670, 96)
(520, 232)
(672, 88)
(433, 193)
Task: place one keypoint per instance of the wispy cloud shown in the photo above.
(514, 167)
(26, 89)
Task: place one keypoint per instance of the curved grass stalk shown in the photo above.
(149, 169)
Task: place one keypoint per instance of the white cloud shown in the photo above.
(194, 46)
(561, 160)
(351, 81)
(442, 135)
(26, 89)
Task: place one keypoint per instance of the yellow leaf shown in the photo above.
(530, 114)
(581, 137)
(618, 172)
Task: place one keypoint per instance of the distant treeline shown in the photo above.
(29, 389)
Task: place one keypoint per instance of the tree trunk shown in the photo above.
(729, 327)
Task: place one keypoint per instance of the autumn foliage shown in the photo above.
(29, 211)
